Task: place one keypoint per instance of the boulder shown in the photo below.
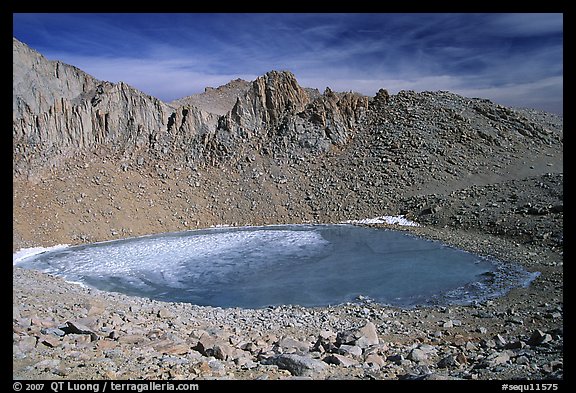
(76, 327)
(362, 337)
(298, 365)
(538, 337)
(350, 350)
(340, 360)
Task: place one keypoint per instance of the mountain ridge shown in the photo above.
(318, 157)
(53, 119)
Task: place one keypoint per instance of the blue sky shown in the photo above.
(512, 59)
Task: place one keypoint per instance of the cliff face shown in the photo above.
(38, 82)
(58, 111)
(106, 114)
(285, 118)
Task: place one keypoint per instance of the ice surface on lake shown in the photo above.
(309, 265)
(24, 253)
(391, 220)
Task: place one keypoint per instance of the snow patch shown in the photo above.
(24, 253)
(392, 220)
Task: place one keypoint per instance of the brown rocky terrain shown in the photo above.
(97, 161)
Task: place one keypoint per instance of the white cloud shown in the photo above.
(416, 52)
(164, 79)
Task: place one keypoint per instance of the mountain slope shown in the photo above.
(280, 154)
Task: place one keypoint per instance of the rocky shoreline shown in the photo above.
(63, 330)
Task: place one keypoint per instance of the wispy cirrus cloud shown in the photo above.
(513, 59)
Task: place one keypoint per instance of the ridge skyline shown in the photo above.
(512, 59)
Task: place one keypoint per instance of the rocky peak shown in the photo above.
(337, 114)
(59, 111)
(39, 82)
(276, 105)
(380, 99)
(270, 98)
(219, 100)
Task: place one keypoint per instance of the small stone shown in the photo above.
(375, 360)
(488, 343)
(47, 364)
(202, 368)
(417, 355)
(500, 341)
(245, 363)
(519, 344)
(289, 342)
(397, 359)
(350, 350)
(95, 308)
(367, 335)
(53, 331)
(205, 345)
(76, 327)
(24, 322)
(42, 322)
(175, 349)
(216, 367)
(447, 362)
(323, 345)
(461, 358)
(500, 358)
(556, 365)
(223, 351)
(328, 335)
(340, 360)
(106, 344)
(164, 313)
(77, 339)
(50, 341)
(515, 320)
(15, 312)
(470, 346)
(417, 373)
(27, 343)
(538, 337)
(298, 365)
(345, 338)
(132, 339)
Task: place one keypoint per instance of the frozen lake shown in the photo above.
(308, 265)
